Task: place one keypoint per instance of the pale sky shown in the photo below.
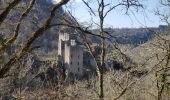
(117, 18)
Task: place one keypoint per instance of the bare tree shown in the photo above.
(35, 35)
(102, 11)
(163, 43)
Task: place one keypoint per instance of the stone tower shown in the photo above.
(70, 53)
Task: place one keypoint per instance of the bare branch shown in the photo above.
(16, 32)
(4, 14)
(34, 36)
(86, 3)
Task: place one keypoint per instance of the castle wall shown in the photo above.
(67, 55)
(76, 60)
(71, 53)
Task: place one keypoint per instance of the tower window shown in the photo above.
(78, 63)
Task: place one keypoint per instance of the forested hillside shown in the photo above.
(32, 22)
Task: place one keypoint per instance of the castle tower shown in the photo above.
(63, 37)
(70, 53)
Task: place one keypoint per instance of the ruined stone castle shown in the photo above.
(70, 53)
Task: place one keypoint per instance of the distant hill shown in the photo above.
(133, 36)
